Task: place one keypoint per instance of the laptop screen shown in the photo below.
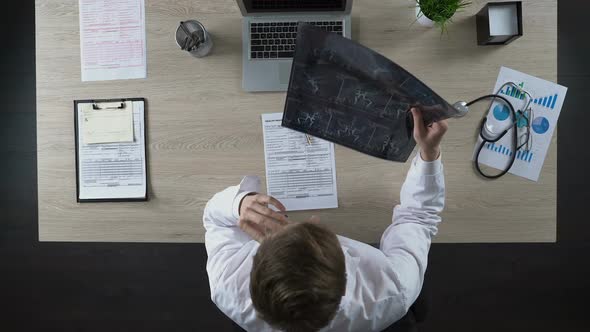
(268, 6)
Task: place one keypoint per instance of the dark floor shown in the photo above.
(106, 286)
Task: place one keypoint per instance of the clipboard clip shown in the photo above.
(95, 106)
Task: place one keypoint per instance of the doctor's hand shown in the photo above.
(257, 219)
(428, 138)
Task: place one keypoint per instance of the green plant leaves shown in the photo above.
(441, 11)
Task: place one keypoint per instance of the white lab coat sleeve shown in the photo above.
(223, 236)
(406, 241)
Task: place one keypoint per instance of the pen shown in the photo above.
(194, 40)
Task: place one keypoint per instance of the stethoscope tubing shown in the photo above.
(499, 137)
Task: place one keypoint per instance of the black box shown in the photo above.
(496, 24)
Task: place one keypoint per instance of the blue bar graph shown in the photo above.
(548, 101)
(513, 92)
(525, 156)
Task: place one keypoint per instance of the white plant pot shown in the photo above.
(422, 19)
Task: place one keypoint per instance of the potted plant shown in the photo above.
(438, 13)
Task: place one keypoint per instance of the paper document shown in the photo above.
(113, 170)
(299, 174)
(547, 100)
(112, 39)
(107, 125)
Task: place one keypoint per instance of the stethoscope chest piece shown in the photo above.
(461, 108)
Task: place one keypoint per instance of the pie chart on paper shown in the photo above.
(501, 112)
(540, 125)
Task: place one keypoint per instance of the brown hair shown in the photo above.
(298, 278)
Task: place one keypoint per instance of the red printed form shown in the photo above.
(112, 39)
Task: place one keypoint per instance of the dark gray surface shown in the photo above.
(164, 287)
(348, 94)
(573, 154)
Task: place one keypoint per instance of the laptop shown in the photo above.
(269, 30)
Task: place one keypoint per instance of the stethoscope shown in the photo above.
(486, 130)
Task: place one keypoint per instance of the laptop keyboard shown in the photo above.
(276, 40)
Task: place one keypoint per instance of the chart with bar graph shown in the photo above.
(548, 102)
(526, 156)
(546, 106)
(511, 91)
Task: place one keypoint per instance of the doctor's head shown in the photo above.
(298, 277)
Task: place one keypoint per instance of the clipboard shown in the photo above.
(112, 172)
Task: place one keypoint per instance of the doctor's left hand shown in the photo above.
(257, 219)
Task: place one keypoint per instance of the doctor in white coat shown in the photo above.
(268, 273)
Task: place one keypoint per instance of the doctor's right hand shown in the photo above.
(428, 137)
(257, 219)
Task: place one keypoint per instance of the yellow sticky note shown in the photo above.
(109, 125)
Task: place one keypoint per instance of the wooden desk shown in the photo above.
(205, 132)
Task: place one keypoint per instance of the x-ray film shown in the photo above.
(349, 94)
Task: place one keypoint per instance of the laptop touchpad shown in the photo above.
(284, 72)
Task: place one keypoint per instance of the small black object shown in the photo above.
(494, 31)
(95, 106)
